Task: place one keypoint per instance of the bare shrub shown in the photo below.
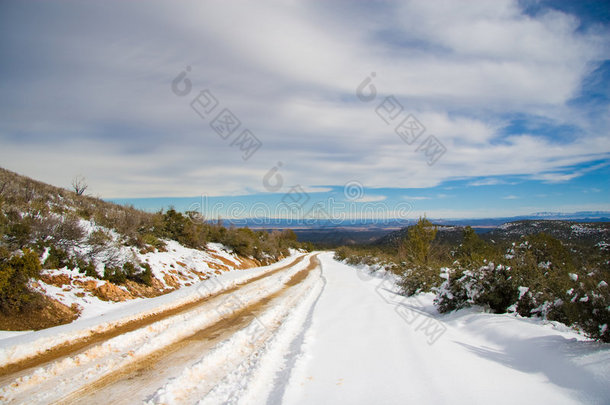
(79, 185)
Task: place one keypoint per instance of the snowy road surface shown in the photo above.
(367, 345)
(314, 331)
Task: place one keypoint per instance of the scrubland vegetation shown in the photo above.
(45, 227)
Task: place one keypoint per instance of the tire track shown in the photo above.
(13, 370)
(132, 383)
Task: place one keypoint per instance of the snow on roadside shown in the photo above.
(53, 381)
(368, 345)
(174, 266)
(179, 261)
(105, 315)
(177, 267)
(387, 286)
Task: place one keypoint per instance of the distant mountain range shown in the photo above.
(396, 223)
(585, 226)
(581, 214)
(347, 232)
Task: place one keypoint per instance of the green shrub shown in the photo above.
(129, 269)
(342, 253)
(418, 278)
(141, 273)
(188, 231)
(243, 241)
(497, 289)
(589, 304)
(543, 265)
(18, 232)
(217, 232)
(151, 240)
(115, 275)
(58, 259)
(527, 303)
(473, 251)
(308, 246)
(145, 275)
(419, 265)
(416, 248)
(454, 293)
(15, 272)
(537, 276)
(491, 286)
(87, 268)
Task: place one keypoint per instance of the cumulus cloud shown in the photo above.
(86, 88)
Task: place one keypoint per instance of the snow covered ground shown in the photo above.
(337, 336)
(367, 345)
(54, 381)
(105, 315)
(176, 267)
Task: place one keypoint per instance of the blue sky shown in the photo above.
(453, 108)
(483, 197)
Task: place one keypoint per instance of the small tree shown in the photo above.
(416, 248)
(473, 250)
(79, 185)
(15, 272)
(419, 273)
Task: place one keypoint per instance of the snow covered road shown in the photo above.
(316, 331)
(75, 376)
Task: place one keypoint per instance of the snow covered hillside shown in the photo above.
(308, 330)
(174, 268)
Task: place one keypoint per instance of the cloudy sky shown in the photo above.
(456, 108)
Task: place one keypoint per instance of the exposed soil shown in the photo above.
(49, 312)
(71, 348)
(43, 314)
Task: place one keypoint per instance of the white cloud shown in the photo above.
(485, 182)
(412, 198)
(289, 71)
(371, 198)
(557, 177)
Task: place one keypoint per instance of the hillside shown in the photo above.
(64, 255)
(587, 233)
(581, 233)
(446, 234)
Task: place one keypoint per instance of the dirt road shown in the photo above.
(134, 361)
